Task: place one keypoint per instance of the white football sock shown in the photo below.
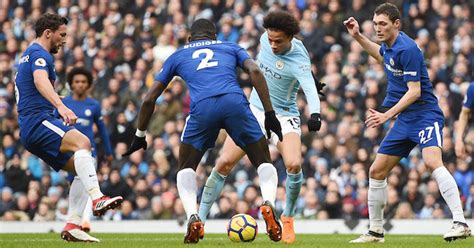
(377, 198)
(78, 198)
(187, 188)
(449, 191)
(86, 216)
(268, 177)
(85, 169)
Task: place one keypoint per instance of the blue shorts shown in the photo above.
(42, 136)
(424, 128)
(230, 112)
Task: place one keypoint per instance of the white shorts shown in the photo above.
(288, 124)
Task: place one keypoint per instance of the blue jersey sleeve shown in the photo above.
(469, 97)
(39, 61)
(242, 55)
(104, 135)
(167, 72)
(412, 62)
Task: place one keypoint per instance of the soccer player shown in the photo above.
(208, 68)
(88, 112)
(51, 139)
(286, 65)
(419, 120)
(463, 120)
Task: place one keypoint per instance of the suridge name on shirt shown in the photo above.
(24, 59)
(202, 43)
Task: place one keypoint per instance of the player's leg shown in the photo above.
(290, 149)
(200, 133)
(186, 183)
(87, 214)
(246, 132)
(82, 164)
(78, 199)
(394, 146)
(429, 135)
(230, 154)
(450, 192)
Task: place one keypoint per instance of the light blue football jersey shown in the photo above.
(284, 75)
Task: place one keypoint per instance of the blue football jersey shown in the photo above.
(469, 97)
(28, 98)
(207, 67)
(404, 62)
(88, 112)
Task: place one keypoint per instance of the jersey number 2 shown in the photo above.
(205, 61)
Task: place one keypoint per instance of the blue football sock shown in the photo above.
(212, 190)
(293, 187)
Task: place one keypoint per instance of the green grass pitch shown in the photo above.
(130, 240)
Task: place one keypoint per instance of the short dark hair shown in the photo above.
(283, 21)
(79, 71)
(49, 21)
(203, 28)
(388, 9)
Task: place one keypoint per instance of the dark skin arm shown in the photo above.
(259, 83)
(148, 105)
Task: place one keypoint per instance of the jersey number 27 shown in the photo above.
(205, 62)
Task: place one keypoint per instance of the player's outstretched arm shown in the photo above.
(260, 85)
(46, 89)
(371, 47)
(144, 116)
(459, 132)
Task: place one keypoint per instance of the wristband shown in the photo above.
(140, 133)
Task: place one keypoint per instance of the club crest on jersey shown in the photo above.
(88, 112)
(40, 62)
(279, 65)
(392, 63)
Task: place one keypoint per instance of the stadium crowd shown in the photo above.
(124, 43)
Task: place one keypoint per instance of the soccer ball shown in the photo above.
(242, 228)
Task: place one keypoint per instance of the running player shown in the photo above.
(419, 120)
(286, 65)
(208, 68)
(51, 139)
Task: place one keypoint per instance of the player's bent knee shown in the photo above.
(293, 167)
(377, 172)
(224, 166)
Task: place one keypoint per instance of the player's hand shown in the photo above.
(272, 124)
(375, 118)
(352, 26)
(460, 149)
(137, 144)
(67, 115)
(314, 123)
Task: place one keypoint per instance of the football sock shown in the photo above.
(86, 216)
(268, 177)
(78, 198)
(293, 187)
(377, 197)
(449, 191)
(187, 187)
(85, 170)
(212, 190)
